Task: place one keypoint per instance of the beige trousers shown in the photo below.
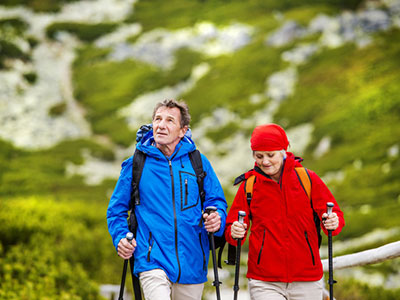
(298, 290)
(157, 286)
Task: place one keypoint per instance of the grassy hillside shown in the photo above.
(349, 95)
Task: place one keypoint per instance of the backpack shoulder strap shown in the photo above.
(248, 191)
(197, 164)
(306, 184)
(305, 180)
(248, 188)
(137, 167)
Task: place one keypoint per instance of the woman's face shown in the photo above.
(270, 162)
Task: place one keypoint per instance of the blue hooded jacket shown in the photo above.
(169, 235)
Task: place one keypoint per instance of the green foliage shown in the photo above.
(233, 78)
(10, 50)
(52, 249)
(42, 172)
(9, 30)
(85, 32)
(105, 86)
(177, 13)
(58, 109)
(13, 24)
(38, 5)
(30, 77)
(351, 289)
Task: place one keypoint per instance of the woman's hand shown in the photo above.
(238, 230)
(330, 222)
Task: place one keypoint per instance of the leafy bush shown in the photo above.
(178, 13)
(39, 6)
(351, 289)
(44, 172)
(54, 249)
(85, 32)
(105, 86)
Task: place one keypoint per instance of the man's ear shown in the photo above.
(183, 131)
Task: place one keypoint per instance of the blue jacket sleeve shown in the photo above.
(214, 193)
(117, 212)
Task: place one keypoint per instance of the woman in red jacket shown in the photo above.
(283, 260)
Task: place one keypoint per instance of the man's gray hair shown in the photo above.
(181, 105)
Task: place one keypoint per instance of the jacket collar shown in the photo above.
(147, 145)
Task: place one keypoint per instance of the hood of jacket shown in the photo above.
(147, 146)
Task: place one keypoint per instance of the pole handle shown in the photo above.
(210, 209)
(241, 215)
(129, 237)
(329, 207)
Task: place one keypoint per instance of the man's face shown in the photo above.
(167, 127)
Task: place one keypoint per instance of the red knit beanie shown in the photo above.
(269, 137)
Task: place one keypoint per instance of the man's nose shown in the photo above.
(162, 124)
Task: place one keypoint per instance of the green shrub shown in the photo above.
(85, 32)
(105, 86)
(177, 13)
(10, 50)
(30, 77)
(44, 172)
(66, 232)
(58, 109)
(38, 5)
(53, 249)
(351, 289)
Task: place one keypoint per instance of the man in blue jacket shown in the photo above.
(171, 248)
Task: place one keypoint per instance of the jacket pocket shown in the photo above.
(261, 249)
(151, 243)
(189, 190)
(309, 247)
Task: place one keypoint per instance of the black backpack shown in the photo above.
(137, 167)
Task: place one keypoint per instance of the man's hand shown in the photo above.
(238, 230)
(212, 221)
(126, 249)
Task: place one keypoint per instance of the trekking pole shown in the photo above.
(331, 281)
(216, 283)
(241, 216)
(129, 237)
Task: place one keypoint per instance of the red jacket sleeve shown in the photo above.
(320, 195)
(239, 204)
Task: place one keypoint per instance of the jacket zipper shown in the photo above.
(151, 242)
(262, 246)
(309, 246)
(204, 255)
(175, 220)
(186, 192)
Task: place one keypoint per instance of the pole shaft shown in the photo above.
(237, 269)
(122, 287)
(214, 258)
(330, 255)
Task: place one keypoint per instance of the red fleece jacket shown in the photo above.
(283, 242)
